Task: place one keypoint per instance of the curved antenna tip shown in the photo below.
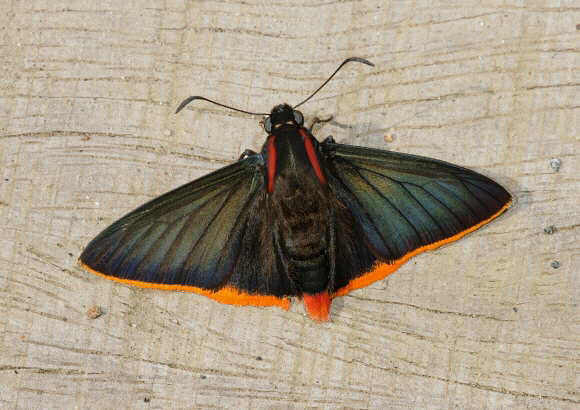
(358, 60)
(185, 102)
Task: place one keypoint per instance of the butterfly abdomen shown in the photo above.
(303, 235)
(307, 255)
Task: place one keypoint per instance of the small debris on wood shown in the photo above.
(549, 229)
(556, 163)
(555, 264)
(389, 137)
(94, 311)
(85, 138)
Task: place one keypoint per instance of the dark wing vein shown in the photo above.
(357, 208)
(386, 198)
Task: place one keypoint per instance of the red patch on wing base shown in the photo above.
(271, 164)
(312, 156)
(318, 305)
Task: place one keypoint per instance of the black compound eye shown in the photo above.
(298, 117)
(268, 125)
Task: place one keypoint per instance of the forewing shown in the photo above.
(188, 239)
(404, 204)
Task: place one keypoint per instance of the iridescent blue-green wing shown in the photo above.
(404, 204)
(191, 238)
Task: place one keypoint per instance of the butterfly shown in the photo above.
(301, 218)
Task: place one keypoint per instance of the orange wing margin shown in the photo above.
(227, 294)
(382, 269)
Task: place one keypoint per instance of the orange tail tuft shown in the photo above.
(318, 305)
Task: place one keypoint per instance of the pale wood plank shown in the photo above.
(484, 323)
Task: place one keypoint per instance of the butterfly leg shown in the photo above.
(328, 140)
(317, 120)
(247, 153)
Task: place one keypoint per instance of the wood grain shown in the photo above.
(87, 95)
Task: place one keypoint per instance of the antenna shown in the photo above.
(348, 60)
(197, 97)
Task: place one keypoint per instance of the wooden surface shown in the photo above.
(88, 91)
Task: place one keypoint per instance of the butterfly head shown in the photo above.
(282, 115)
